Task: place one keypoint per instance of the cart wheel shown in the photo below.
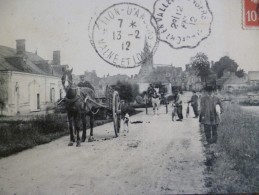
(116, 112)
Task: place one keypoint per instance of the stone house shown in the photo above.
(28, 83)
(235, 83)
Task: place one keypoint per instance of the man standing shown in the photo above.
(179, 106)
(150, 91)
(194, 104)
(208, 116)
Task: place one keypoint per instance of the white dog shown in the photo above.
(126, 122)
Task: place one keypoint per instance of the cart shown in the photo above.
(111, 104)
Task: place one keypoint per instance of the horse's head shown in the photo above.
(67, 79)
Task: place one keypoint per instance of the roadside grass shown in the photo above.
(19, 135)
(236, 167)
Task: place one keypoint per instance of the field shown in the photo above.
(234, 165)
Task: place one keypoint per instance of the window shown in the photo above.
(52, 95)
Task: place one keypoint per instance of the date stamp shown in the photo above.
(251, 14)
(183, 24)
(124, 35)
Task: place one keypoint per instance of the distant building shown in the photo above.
(28, 82)
(253, 77)
(235, 83)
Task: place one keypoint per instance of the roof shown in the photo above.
(253, 75)
(11, 61)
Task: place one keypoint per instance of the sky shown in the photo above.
(64, 25)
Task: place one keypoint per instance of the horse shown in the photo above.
(155, 99)
(77, 107)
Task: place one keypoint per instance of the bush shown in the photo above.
(50, 123)
(127, 109)
(16, 136)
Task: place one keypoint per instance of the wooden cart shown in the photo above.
(112, 105)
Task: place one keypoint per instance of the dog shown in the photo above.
(126, 122)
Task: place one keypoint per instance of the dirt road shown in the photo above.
(157, 156)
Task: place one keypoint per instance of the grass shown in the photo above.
(19, 135)
(236, 167)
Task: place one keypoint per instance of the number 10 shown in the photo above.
(252, 15)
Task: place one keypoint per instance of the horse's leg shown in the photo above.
(70, 125)
(91, 138)
(77, 128)
(83, 118)
(153, 105)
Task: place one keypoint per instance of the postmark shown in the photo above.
(183, 23)
(250, 14)
(124, 35)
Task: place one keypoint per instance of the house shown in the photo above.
(253, 77)
(235, 83)
(28, 83)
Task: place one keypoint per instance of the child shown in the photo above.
(174, 111)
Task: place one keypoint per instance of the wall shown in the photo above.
(31, 92)
(143, 87)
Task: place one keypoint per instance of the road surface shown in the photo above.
(157, 156)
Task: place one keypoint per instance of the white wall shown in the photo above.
(23, 89)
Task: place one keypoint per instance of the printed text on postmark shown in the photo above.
(183, 23)
(123, 34)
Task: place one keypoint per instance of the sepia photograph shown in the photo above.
(129, 97)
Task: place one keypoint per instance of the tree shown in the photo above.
(225, 63)
(240, 73)
(201, 65)
(125, 91)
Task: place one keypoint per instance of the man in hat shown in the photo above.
(84, 83)
(150, 91)
(178, 105)
(208, 116)
(194, 104)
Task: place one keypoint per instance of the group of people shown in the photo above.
(208, 114)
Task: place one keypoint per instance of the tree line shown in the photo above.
(200, 63)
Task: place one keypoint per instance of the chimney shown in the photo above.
(20, 46)
(56, 57)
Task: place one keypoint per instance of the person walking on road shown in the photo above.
(208, 116)
(150, 91)
(194, 104)
(179, 106)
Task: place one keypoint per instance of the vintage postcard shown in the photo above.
(129, 97)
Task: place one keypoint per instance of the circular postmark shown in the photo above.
(183, 24)
(124, 35)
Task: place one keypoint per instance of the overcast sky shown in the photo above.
(49, 25)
